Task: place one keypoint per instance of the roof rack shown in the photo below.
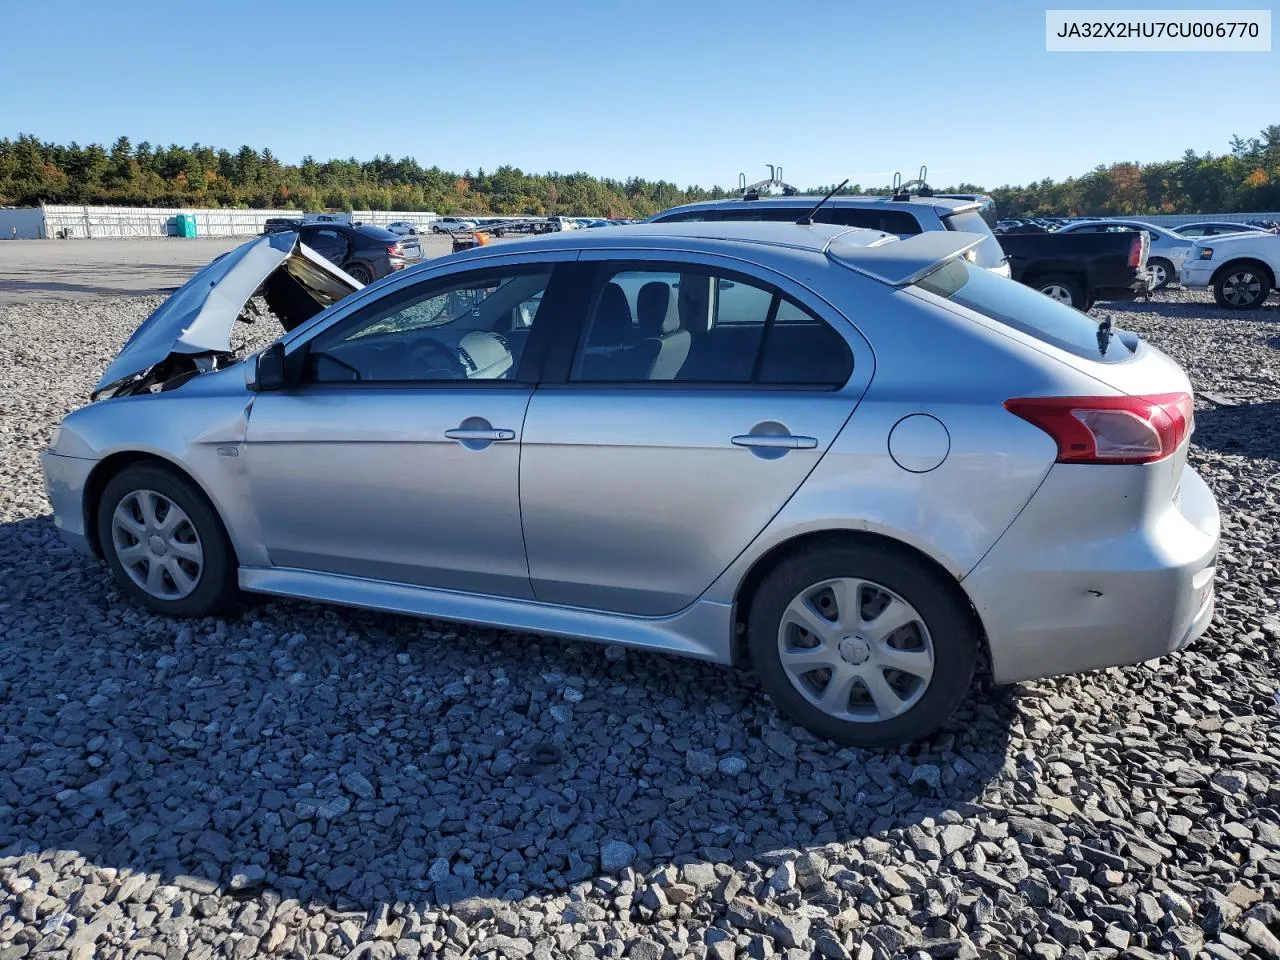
(902, 191)
(751, 191)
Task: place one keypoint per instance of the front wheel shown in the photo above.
(1062, 288)
(164, 543)
(862, 645)
(1242, 287)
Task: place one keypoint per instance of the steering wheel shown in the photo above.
(430, 356)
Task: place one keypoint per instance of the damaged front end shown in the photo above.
(190, 333)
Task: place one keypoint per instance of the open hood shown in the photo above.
(197, 319)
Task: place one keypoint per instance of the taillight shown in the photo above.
(395, 250)
(1135, 251)
(1110, 429)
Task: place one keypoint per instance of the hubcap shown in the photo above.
(1158, 275)
(1057, 292)
(1241, 288)
(157, 544)
(856, 650)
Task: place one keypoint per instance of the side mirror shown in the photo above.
(269, 373)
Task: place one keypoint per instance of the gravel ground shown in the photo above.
(307, 781)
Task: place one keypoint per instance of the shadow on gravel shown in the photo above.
(1250, 430)
(352, 759)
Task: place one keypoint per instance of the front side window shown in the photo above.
(685, 324)
(469, 328)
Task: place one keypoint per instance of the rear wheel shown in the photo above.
(862, 645)
(360, 273)
(164, 543)
(1161, 271)
(1242, 286)
(1062, 288)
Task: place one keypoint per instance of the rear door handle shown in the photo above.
(764, 441)
(478, 433)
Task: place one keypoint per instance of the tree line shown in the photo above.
(1247, 178)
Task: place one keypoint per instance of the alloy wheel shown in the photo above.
(157, 545)
(1242, 288)
(856, 650)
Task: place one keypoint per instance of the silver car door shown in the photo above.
(697, 401)
(395, 456)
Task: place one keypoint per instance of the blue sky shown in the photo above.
(688, 91)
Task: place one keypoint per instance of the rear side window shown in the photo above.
(989, 253)
(771, 214)
(687, 324)
(1024, 309)
(886, 221)
(691, 216)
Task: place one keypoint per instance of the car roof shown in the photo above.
(874, 253)
(944, 204)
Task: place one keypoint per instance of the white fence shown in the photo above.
(56, 221)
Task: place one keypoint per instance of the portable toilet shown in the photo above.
(185, 225)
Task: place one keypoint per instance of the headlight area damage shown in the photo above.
(190, 333)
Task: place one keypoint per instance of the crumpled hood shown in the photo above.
(198, 317)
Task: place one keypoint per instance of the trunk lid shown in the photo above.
(198, 317)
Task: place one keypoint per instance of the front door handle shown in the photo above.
(480, 433)
(769, 441)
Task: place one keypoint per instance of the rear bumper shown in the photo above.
(1059, 596)
(64, 485)
(1136, 288)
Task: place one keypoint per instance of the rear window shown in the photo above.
(989, 252)
(1026, 310)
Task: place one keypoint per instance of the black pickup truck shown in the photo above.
(1079, 268)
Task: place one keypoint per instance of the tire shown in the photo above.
(360, 273)
(939, 627)
(1062, 288)
(1162, 273)
(1241, 286)
(193, 556)
(436, 230)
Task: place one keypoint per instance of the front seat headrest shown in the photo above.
(612, 325)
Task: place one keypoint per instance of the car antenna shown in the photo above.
(807, 219)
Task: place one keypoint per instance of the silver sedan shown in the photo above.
(852, 462)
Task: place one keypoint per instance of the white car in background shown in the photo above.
(1213, 228)
(1168, 252)
(452, 225)
(403, 228)
(1241, 268)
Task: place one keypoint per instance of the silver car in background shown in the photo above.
(850, 461)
